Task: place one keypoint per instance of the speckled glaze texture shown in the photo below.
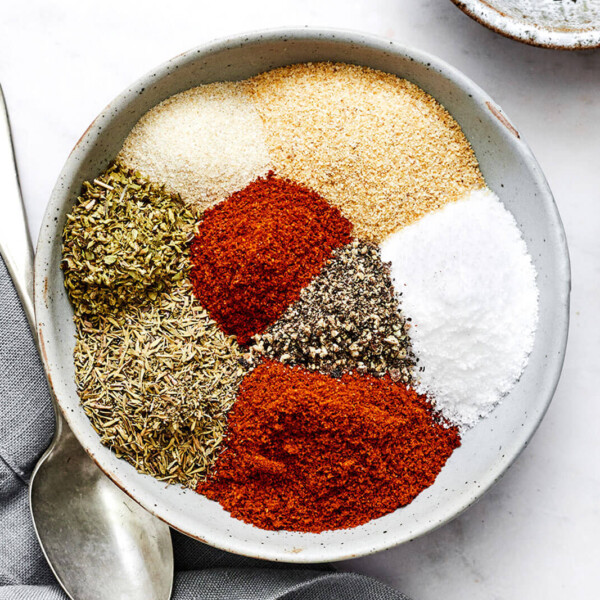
(510, 170)
(559, 24)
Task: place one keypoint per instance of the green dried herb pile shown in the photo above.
(157, 383)
(123, 242)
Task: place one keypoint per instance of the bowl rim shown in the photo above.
(529, 33)
(44, 268)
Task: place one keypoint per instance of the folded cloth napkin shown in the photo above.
(202, 572)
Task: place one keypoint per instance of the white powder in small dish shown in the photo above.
(204, 143)
(468, 283)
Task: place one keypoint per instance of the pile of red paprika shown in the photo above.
(307, 452)
(254, 252)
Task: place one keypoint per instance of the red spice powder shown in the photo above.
(307, 452)
(255, 251)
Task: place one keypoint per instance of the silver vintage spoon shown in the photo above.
(100, 544)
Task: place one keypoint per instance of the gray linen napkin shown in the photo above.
(202, 572)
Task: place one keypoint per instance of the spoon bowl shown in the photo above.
(99, 542)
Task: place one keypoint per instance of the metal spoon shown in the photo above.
(100, 544)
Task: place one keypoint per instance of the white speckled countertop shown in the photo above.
(535, 535)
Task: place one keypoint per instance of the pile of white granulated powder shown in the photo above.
(469, 286)
(203, 144)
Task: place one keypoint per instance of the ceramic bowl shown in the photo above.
(559, 24)
(510, 170)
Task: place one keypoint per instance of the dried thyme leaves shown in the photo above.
(124, 241)
(157, 382)
(346, 319)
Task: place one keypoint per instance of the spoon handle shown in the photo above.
(15, 243)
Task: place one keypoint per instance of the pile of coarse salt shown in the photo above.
(468, 283)
(204, 143)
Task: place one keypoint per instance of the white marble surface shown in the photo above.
(536, 534)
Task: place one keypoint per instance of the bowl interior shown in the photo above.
(509, 169)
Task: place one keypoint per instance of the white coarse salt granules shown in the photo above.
(204, 143)
(468, 283)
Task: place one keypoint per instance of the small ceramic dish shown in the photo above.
(510, 170)
(559, 24)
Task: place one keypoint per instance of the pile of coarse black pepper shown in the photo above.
(346, 319)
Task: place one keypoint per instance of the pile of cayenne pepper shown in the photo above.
(255, 251)
(307, 452)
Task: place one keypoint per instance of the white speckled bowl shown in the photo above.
(559, 24)
(510, 170)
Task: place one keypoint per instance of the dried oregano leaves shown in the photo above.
(157, 381)
(123, 242)
(347, 319)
